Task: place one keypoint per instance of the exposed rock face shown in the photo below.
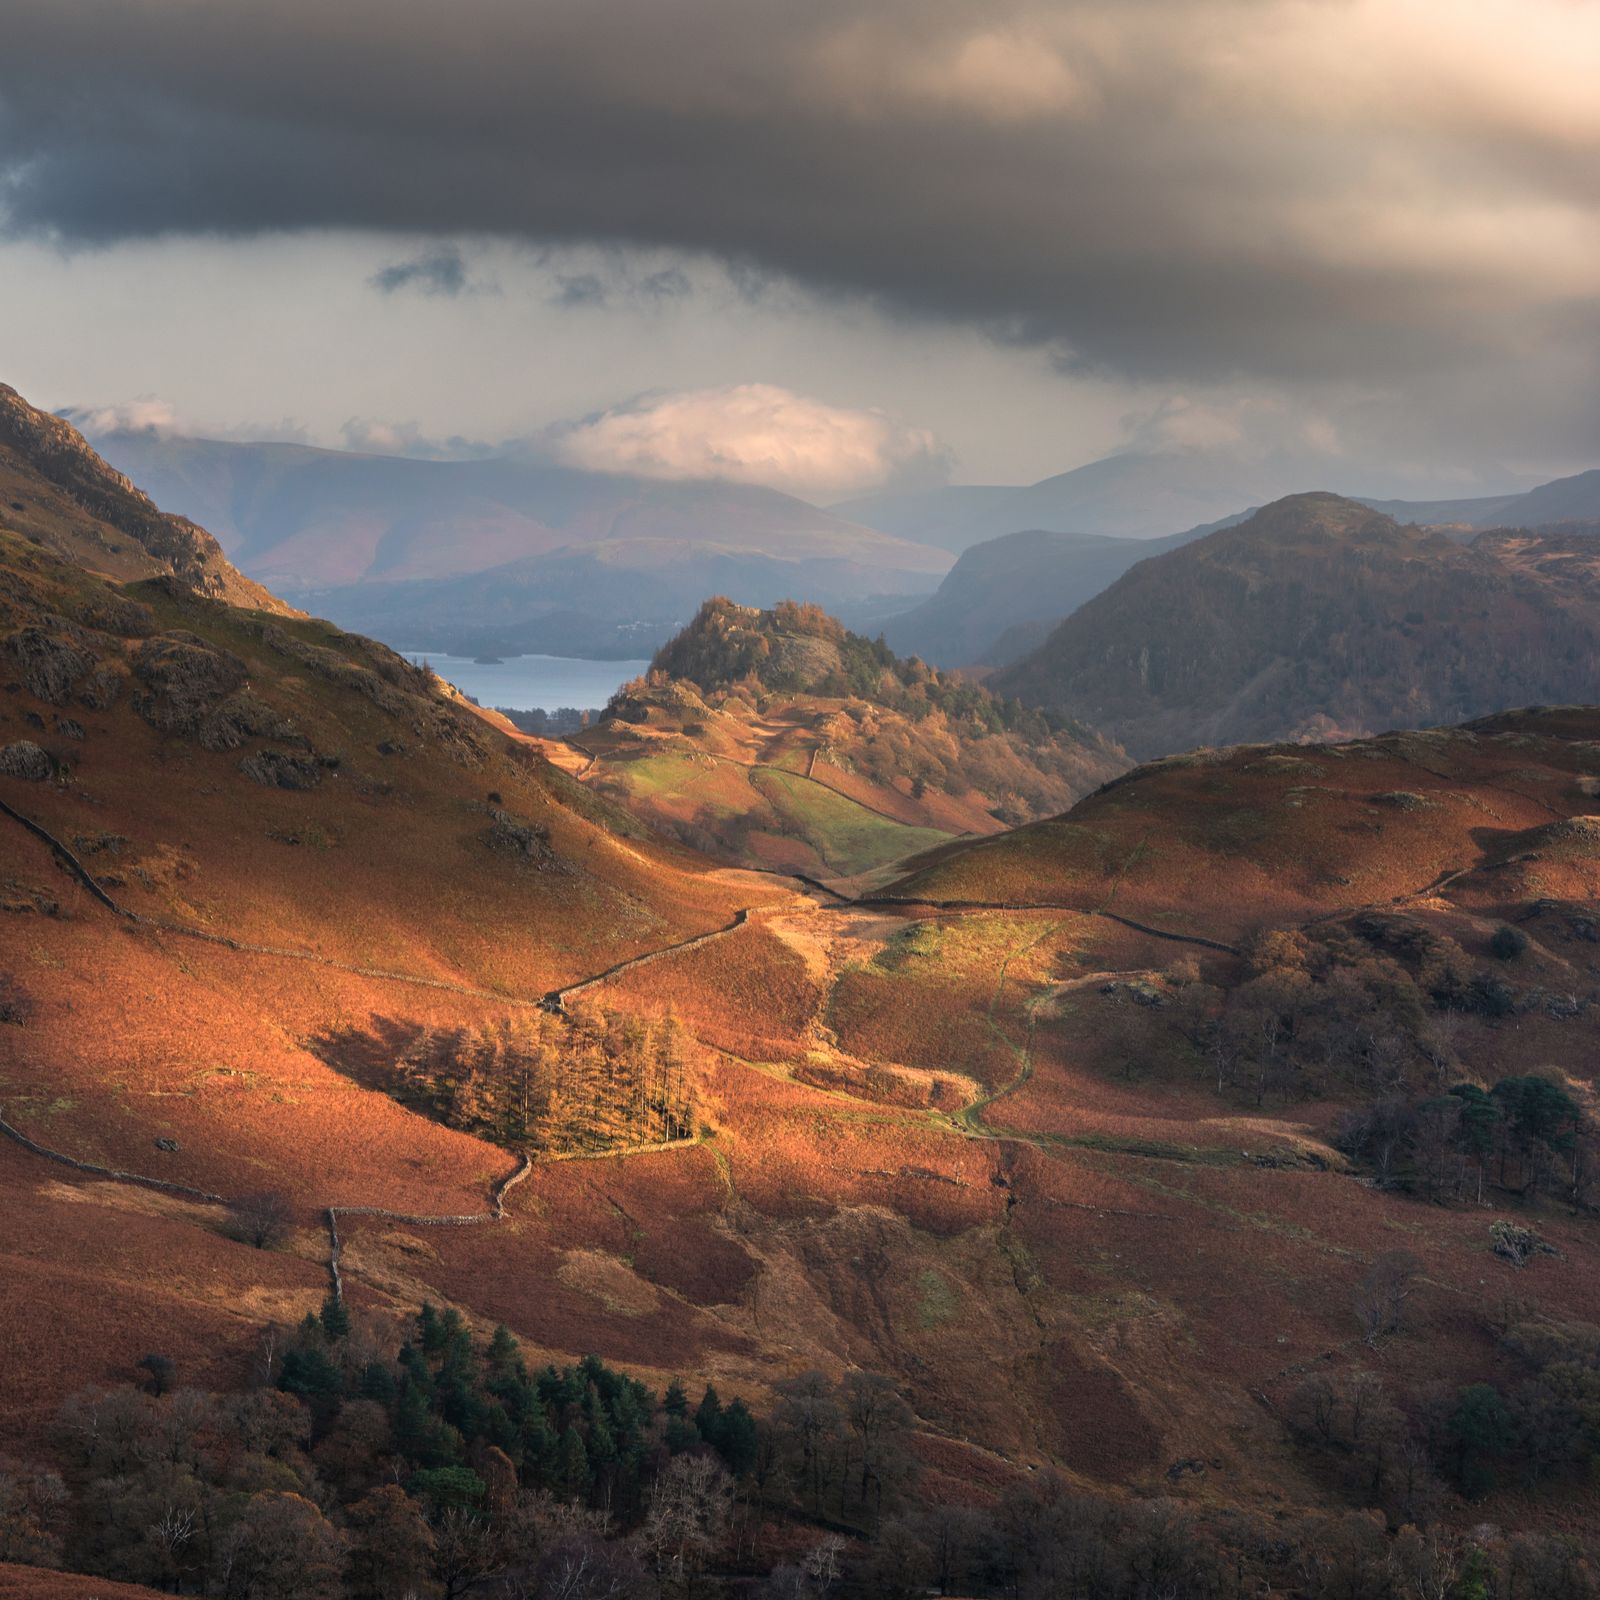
(24, 759)
(182, 665)
(52, 453)
(522, 841)
(51, 662)
(273, 769)
(186, 678)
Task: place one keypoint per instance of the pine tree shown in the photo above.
(377, 1383)
(708, 1416)
(413, 1423)
(309, 1374)
(681, 1435)
(430, 1332)
(540, 1452)
(572, 1467)
(335, 1317)
(602, 1444)
(414, 1369)
(737, 1445)
(502, 1357)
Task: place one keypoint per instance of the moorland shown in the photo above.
(435, 1167)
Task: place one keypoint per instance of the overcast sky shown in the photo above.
(820, 244)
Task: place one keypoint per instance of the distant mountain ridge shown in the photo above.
(395, 544)
(1562, 500)
(311, 518)
(1320, 617)
(1004, 594)
(1135, 494)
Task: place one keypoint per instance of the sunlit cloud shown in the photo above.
(753, 433)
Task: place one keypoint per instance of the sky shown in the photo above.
(827, 246)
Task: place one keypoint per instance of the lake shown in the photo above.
(533, 683)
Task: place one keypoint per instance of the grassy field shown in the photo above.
(764, 815)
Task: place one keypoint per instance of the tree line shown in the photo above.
(447, 1467)
(1526, 1135)
(1404, 1453)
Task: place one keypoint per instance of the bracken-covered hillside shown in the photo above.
(1200, 1186)
(57, 493)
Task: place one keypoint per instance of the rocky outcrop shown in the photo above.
(25, 759)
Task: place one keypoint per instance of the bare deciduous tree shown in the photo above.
(260, 1219)
(1383, 1294)
(688, 1519)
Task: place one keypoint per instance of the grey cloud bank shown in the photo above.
(1186, 188)
(1392, 196)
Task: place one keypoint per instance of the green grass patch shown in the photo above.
(937, 1302)
(846, 835)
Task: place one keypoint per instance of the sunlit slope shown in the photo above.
(1221, 841)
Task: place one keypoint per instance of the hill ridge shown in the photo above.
(49, 450)
(1320, 617)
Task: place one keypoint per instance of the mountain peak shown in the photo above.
(1319, 517)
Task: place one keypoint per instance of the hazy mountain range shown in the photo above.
(1003, 595)
(512, 554)
(581, 562)
(1135, 494)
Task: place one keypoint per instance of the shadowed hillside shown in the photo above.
(1013, 589)
(1318, 617)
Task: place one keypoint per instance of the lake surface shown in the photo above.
(533, 683)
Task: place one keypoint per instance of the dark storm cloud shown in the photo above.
(1350, 190)
(437, 272)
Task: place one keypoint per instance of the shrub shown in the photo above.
(16, 1004)
(1514, 1243)
(160, 1372)
(24, 759)
(260, 1219)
